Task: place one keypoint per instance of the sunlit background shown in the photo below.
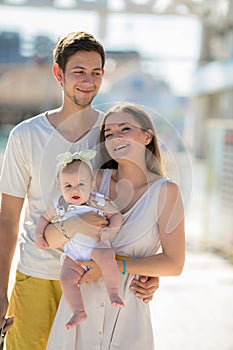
(175, 57)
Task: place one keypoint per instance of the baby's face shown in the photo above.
(76, 183)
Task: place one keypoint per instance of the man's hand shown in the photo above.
(3, 310)
(145, 287)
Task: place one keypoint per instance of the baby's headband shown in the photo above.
(67, 157)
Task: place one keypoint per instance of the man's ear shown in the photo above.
(103, 72)
(148, 136)
(58, 73)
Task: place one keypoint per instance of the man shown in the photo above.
(28, 172)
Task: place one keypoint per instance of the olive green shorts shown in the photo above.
(34, 302)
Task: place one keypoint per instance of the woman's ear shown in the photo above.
(58, 73)
(148, 136)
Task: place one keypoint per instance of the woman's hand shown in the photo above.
(93, 273)
(145, 287)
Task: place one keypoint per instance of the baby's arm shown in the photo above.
(44, 219)
(115, 221)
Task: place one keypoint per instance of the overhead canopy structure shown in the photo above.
(216, 17)
(201, 8)
(216, 12)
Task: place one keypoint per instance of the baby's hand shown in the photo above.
(105, 233)
(40, 241)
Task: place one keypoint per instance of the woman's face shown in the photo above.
(124, 138)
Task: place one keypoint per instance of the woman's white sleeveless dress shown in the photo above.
(106, 327)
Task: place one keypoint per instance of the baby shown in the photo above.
(75, 181)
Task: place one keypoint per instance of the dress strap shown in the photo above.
(163, 180)
(105, 182)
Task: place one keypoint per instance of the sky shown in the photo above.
(170, 45)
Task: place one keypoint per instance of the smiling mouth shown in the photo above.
(117, 148)
(84, 91)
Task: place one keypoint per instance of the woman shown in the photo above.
(152, 236)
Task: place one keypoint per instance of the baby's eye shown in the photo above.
(81, 184)
(67, 186)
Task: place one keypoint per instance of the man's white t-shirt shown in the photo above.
(28, 171)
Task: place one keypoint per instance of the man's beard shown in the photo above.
(84, 103)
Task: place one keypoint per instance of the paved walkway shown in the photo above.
(194, 311)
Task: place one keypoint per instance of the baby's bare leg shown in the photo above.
(104, 257)
(69, 279)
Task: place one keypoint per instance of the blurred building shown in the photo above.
(212, 121)
(26, 82)
(28, 86)
(10, 48)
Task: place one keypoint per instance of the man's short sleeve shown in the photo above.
(15, 176)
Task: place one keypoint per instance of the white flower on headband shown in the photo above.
(67, 157)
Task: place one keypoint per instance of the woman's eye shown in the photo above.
(125, 129)
(108, 136)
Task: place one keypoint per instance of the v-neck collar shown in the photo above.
(96, 124)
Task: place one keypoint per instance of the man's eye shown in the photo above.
(108, 136)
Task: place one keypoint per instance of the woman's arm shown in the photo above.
(144, 288)
(170, 261)
(88, 224)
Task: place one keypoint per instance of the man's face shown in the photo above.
(82, 78)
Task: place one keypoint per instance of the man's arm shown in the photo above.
(11, 208)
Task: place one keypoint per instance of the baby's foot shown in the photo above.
(76, 319)
(116, 300)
